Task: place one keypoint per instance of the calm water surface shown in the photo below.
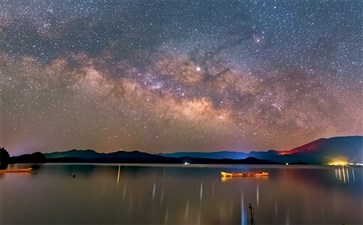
(141, 194)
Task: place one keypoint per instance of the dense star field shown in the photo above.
(165, 76)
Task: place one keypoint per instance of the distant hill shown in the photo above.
(114, 157)
(326, 150)
(36, 157)
(321, 151)
(91, 156)
(74, 153)
(208, 155)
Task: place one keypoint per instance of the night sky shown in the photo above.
(166, 76)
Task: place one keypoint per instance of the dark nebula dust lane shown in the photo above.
(165, 76)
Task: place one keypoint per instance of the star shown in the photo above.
(159, 76)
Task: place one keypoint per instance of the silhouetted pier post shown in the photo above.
(252, 213)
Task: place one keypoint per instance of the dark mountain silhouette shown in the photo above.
(209, 155)
(74, 153)
(113, 157)
(92, 156)
(36, 157)
(248, 160)
(321, 151)
(326, 150)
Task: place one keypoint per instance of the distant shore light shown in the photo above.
(338, 163)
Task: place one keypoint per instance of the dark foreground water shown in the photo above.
(112, 194)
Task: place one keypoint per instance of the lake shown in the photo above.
(181, 194)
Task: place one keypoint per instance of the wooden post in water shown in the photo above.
(252, 213)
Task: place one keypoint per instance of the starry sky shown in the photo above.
(166, 75)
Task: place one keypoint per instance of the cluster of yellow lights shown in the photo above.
(338, 163)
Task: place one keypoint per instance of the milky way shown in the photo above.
(165, 76)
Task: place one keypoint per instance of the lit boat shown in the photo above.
(248, 174)
(16, 170)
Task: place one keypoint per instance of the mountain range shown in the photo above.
(92, 156)
(321, 151)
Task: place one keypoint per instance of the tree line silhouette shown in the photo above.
(5, 158)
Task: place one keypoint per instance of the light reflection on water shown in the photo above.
(345, 174)
(113, 194)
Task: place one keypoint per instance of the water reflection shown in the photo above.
(243, 211)
(187, 209)
(345, 174)
(201, 191)
(118, 174)
(124, 192)
(173, 195)
(257, 195)
(153, 191)
(166, 216)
